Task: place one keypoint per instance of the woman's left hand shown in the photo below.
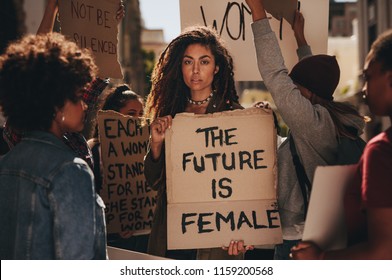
(236, 247)
(120, 14)
(306, 251)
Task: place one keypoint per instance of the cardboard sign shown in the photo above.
(221, 177)
(325, 223)
(129, 200)
(92, 24)
(282, 9)
(232, 20)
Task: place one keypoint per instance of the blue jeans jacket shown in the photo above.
(48, 204)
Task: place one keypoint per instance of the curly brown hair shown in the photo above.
(38, 74)
(169, 92)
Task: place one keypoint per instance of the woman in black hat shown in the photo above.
(305, 101)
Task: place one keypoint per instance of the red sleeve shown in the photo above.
(377, 175)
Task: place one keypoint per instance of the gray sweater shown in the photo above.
(310, 125)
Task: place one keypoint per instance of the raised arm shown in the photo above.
(257, 8)
(47, 22)
(298, 28)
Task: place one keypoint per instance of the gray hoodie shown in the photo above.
(310, 125)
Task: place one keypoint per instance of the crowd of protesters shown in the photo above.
(50, 176)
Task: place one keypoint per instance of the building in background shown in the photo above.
(353, 26)
(374, 17)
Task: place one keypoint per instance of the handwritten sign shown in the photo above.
(92, 24)
(129, 200)
(232, 20)
(221, 183)
(325, 223)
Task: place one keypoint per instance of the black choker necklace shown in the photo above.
(200, 102)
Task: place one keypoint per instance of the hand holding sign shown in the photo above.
(299, 29)
(282, 9)
(158, 128)
(237, 247)
(120, 12)
(306, 250)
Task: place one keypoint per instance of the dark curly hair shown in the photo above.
(169, 92)
(382, 50)
(38, 74)
(118, 98)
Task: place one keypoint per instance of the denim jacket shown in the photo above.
(48, 204)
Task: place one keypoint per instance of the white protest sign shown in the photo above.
(129, 200)
(221, 177)
(325, 223)
(232, 20)
(92, 24)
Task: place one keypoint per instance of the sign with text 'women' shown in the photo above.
(129, 200)
(221, 177)
(232, 20)
(92, 24)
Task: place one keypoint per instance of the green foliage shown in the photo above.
(148, 64)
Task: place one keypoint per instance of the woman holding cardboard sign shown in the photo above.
(123, 100)
(194, 74)
(305, 100)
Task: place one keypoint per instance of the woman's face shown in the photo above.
(377, 87)
(198, 69)
(133, 108)
(73, 114)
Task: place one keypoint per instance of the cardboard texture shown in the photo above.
(282, 9)
(232, 20)
(221, 177)
(130, 202)
(325, 223)
(92, 24)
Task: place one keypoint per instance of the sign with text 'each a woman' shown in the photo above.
(221, 177)
(129, 200)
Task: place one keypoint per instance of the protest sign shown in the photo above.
(129, 200)
(232, 20)
(325, 224)
(221, 177)
(92, 24)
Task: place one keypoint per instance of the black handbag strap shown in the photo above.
(303, 179)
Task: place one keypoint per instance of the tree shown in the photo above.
(132, 58)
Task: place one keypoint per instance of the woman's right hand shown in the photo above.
(257, 9)
(47, 22)
(237, 247)
(299, 29)
(157, 131)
